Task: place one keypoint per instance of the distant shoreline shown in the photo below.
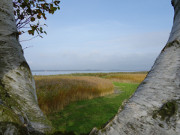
(61, 72)
(91, 70)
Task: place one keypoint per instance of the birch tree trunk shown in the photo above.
(154, 109)
(19, 110)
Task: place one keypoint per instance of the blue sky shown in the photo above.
(103, 35)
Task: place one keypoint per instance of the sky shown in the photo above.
(124, 35)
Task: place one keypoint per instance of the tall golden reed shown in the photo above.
(127, 77)
(55, 92)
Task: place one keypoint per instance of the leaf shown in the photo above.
(32, 19)
(19, 32)
(31, 32)
(26, 1)
(27, 12)
(38, 16)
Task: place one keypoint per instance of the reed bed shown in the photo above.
(124, 77)
(127, 78)
(55, 92)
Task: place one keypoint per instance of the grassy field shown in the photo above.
(76, 103)
(80, 117)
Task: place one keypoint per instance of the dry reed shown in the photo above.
(55, 92)
(130, 78)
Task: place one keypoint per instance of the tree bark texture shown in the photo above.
(18, 100)
(154, 109)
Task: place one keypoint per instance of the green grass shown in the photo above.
(80, 117)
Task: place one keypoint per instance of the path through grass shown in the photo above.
(80, 117)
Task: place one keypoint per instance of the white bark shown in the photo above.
(154, 109)
(17, 88)
(175, 33)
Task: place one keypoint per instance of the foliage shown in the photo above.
(29, 12)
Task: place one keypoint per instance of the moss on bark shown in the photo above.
(167, 111)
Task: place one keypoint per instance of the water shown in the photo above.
(57, 72)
